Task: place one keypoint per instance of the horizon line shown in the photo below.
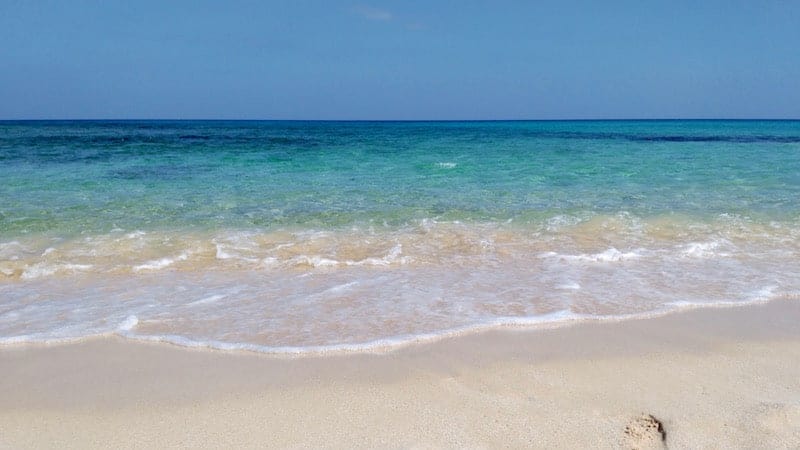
(396, 120)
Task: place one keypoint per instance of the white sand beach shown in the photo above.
(713, 378)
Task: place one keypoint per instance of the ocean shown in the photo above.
(308, 237)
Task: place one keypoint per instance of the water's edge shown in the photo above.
(389, 345)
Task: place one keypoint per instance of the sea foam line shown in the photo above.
(557, 319)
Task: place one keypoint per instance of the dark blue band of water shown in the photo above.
(76, 176)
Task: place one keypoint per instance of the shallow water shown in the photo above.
(301, 236)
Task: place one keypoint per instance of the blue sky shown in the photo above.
(399, 60)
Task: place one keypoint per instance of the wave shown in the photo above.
(610, 255)
(428, 242)
(160, 263)
(557, 319)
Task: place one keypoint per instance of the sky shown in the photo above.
(403, 60)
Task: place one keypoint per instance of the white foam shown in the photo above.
(759, 296)
(391, 257)
(557, 318)
(221, 253)
(318, 261)
(446, 165)
(610, 255)
(24, 339)
(314, 261)
(341, 287)
(235, 246)
(159, 264)
(554, 319)
(268, 262)
(207, 300)
(45, 269)
(128, 324)
(766, 293)
(463, 275)
(703, 249)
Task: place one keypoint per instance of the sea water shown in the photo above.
(322, 236)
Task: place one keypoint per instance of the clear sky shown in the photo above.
(399, 60)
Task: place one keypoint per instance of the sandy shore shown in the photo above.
(719, 378)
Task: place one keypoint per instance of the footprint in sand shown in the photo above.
(645, 432)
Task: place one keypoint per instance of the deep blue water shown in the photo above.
(68, 177)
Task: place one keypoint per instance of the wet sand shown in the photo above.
(712, 378)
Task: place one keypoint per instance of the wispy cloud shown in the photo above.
(371, 13)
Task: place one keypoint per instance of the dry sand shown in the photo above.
(718, 378)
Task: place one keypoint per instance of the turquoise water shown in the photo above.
(323, 234)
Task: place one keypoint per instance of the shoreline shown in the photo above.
(713, 377)
(524, 324)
